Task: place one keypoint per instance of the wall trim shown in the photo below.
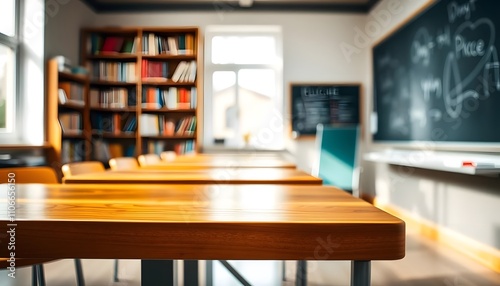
(477, 251)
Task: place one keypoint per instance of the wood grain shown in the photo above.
(255, 222)
(198, 176)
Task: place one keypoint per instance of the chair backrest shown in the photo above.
(148, 159)
(26, 175)
(76, 168)
(337, 162)
(123, 163)
(168, 156)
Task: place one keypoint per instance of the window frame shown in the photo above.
(210, 68)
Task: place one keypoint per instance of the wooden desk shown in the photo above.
(199, 222)
(224, 161)
(200, 176)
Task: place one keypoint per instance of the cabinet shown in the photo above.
(67, 116)
(144, 94)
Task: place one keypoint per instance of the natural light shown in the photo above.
(244, 76)
(243, 50)
(6, 86)
(7, 17)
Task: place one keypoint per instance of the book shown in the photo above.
(112, 45)
(192, 71)
(172, 98)
(172, 46)
(179, 70)
(62, 96)
(128, 46)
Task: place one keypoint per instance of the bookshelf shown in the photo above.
(144, 89)
(67, 116)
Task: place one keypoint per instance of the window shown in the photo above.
(22, 24)
(243, 87)
(8, 49)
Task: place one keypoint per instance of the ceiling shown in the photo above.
(357, 6)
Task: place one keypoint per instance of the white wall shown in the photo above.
(463, 204)
(64, 18)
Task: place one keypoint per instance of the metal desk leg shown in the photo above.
(157, 272)
(301, 273)
(191, 272)
(235, 273)
(360, 273)
(80, 281)
(40, 274)
(209, 271)
(283, 271)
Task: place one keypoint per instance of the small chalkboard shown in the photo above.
(327, 104)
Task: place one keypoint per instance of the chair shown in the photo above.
(337, 165)
(26, 175)
(123, 163)
(84, 167)
(76, 168)
(168, 156)
(148, 159)
(337, 161)
(42, 175)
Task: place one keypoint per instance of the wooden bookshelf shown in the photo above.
(137, 71)
(67, 116)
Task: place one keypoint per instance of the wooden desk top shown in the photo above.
(224, 161)
(199, 176)
(257, 222)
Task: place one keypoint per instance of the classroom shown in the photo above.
(249, 142)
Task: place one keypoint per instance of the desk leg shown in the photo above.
(301, 273)
(157, 272)
(209, 270)
(191, 272)
(360, 273)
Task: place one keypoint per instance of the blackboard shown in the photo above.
(328, 104)
(438, 77)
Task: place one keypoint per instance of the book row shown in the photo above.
(185, 72)
(71, 123)
(158, 146)
(155, 125)
(72, 151)
(118, 97)
(113, 71)
(171, 98)
(114, 123)
(154, 44)
(99, 44)
(71, 91)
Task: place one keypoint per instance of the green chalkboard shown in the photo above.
(437, 78)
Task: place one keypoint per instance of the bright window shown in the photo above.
(7, 83)
(22, 71)
(8, 18)
(8, 51)
(243, 94)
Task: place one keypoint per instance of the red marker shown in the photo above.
(468, 164)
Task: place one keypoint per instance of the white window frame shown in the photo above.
(210, 68)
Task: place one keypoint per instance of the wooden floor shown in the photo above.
(425, 264)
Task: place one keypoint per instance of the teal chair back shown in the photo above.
(337, 156)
